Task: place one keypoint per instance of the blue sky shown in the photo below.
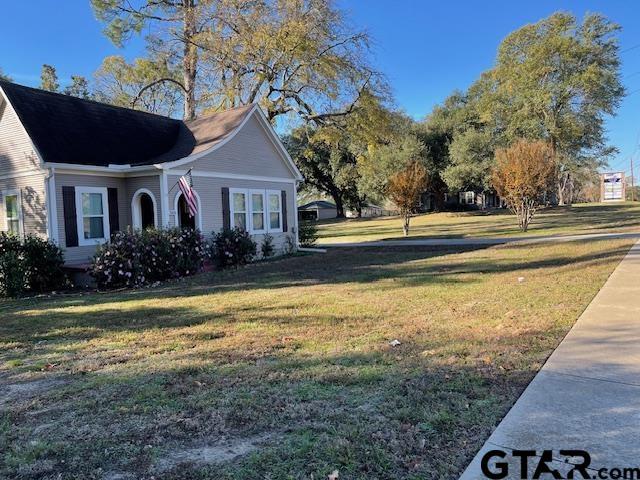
(426, 48)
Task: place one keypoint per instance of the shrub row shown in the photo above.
(138, 258)
(32, 265)
(130, 259)
(135, 258)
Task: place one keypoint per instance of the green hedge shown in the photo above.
(30, 265)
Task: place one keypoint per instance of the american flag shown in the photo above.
(186, 185)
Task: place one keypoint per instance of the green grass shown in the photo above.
(583, 218)
(284, 369)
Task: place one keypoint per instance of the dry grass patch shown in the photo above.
(284, 369)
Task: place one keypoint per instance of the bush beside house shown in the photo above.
(232, 248)
(135, 258)
(308, 233)
(32, 265)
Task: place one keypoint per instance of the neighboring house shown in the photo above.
(370, 210)
(317, 210)
(473, 199)
(75, 171)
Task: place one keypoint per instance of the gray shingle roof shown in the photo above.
(67, 129)
(317, 204)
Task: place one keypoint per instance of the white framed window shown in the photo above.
(275, 210)
(467, 198)
(238, 199)
(92, 211)
(13, 211)
(470, 197)
(258, 211)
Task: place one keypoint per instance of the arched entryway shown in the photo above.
(143, 210)
(183, 219)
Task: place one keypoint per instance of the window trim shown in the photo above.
(176, 213)
(136, 210)
(82, 242)
(232, 211)
(471, 197)
(248, 205)
(278, 194)
(264, 210)
(9, 193)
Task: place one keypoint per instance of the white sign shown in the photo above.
(613, 186)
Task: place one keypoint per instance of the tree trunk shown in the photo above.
(189, 60)
(405, 223)
(560, 193)
(337, 199)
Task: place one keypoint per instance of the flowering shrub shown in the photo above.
(137, 258)
(31, 265)
(231, 248)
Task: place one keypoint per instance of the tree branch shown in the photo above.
(152, 84)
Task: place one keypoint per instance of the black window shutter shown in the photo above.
(70, 219)
(114, 216)
(284, 210)
(226, 213)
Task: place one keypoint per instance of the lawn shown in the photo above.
(284, 369)
(583, 218)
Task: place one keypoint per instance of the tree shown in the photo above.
(461, 143)
(471, 158)
(5, 77)
(387, 160)
(291, 56)
(523, 174)
(120, 83)
(49, 79)
(176, 28)
(328, 169)
(405, 188)
(79, 87)
(555, 80)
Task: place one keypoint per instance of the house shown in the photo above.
(317, 210)
(474, 200)
(370, 210)
(75, 171)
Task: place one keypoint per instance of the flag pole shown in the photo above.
(174, 185)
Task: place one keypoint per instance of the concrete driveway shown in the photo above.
(587, 395)
(478, 241)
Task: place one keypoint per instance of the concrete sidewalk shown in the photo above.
(587, 395)
(425, 242)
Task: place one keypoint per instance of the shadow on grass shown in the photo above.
(37, 320)
(385, 414)
(419, 410)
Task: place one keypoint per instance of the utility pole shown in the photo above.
(633, 193)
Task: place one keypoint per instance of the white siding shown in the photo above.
(151, 183)
(33, 204)
(83, 254)
(210, 192)
(250, 152)
(16, 150)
